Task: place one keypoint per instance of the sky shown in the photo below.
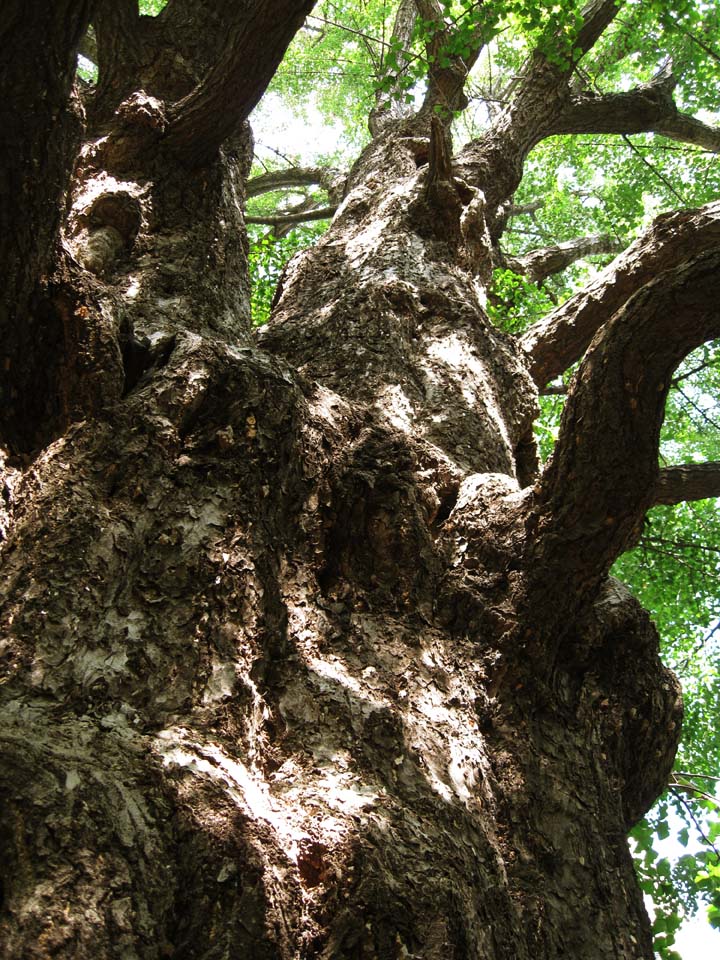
(697, 940)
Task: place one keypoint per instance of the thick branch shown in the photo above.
(556, 342)
(256, 43)
(546, 261)
(325, 177)
(281, 219)
(116, 33)
(496, 159)
(604, 472)
(40, 127)
(646, 109)
(691, 481)
(388, 103)
(597, 17)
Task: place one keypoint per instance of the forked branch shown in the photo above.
(649, 108)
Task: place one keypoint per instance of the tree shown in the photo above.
(305, 655)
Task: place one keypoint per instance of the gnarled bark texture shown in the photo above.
(303, 657)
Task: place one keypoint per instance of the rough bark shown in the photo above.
(302, 658)
(537, 265)
(604, 470)
(688, 481)
(255, 44)
(40, 120)
(558, 340)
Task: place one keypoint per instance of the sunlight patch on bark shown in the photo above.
(473, 377)
(396, 407)
(250, 794)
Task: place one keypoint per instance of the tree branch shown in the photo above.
(546, 261)
(325, 177)
(520, 209)
(691, 481)
(282, 219)
(498, 156)
(446, 83)
(597, 17)
(388, 105)
(256, 43)
(557, 341)
(603, 475)
(116, 37)
(649, 108)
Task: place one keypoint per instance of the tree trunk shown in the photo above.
(302, 656)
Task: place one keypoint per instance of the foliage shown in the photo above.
(335, 62)
(268, 257)
(151, 8)
(515, 303)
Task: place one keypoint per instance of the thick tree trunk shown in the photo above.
(293, 666)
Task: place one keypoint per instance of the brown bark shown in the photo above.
(41, 124)
(604, 470)
(301, 656)
(689, 481)
(537, 265)
(254, 47)
(496, 158)
(558, 340)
